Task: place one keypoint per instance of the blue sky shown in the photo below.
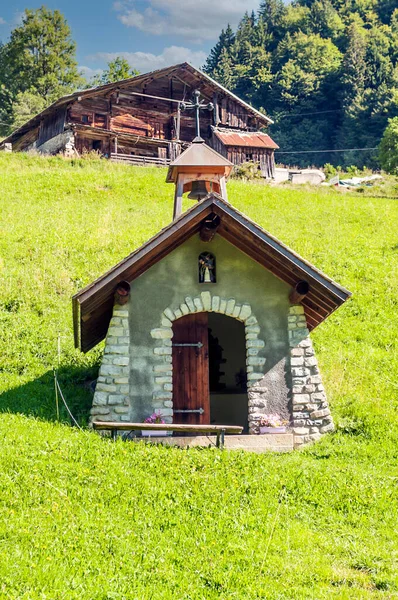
(150, 34)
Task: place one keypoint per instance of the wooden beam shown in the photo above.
(209, 228)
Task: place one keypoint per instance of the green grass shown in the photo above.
(83, 518)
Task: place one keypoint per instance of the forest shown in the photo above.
(326, 71)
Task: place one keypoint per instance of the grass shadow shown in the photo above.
(37, 398)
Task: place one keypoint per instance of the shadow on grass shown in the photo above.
(37, 398)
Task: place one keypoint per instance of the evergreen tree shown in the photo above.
(225, 42)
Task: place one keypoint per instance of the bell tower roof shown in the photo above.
(198, 156)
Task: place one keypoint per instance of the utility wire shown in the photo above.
(320, 151)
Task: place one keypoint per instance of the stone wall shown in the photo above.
(310, 411)
(112, 393)
(63, 142)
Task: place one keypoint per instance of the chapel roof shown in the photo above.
(92, 306)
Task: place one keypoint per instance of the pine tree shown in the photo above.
(225, 42)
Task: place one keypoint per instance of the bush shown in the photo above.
(389, 147)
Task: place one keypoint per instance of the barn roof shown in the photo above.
(248, 139)
(137, 80)
(92, 306)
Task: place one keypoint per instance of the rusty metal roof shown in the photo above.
(247, 139)
(92, 306)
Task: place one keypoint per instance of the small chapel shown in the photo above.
(209, 321)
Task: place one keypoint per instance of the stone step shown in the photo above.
(278, 442)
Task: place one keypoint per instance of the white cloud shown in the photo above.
(2, 21)
(146, 61)
(88, 72)
(196, 20)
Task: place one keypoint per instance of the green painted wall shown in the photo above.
(167, 283)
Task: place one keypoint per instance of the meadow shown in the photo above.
(84, 518)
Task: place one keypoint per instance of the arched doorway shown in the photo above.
(209, 370)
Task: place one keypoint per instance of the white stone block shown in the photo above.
(198, 304)
(100, 399)
(251, 336)
(251, 320)
(165, 322)
(297, 361)
(245, 312)
(121, 380)
(178, 313)
(252, 329)
(237, 310)
(105, 387)
(230, 306)
(190, 304)
(168, 387)
(215, 303)
(310, 361)
(124, 389)
(117, 350)
(116, 399)
(252, 351)
(168, 313)
(255, 344)
(206, 300)
(123, 340)
(122, 361)
(162, 395)
(296, 310)
(163, 368)
(163, 351)
(223, 305)
(162, 333)
(116, 331)
(184, 308)
(162, 379)
(120, 313)
(121, 410)
(99, 410)
(255, 360)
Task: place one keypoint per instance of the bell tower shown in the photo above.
(198, 170)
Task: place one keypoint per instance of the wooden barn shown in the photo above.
(147, 119)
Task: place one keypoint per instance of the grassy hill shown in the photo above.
(84, 518)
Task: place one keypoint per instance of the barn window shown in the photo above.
(85, 119)
(207, 268)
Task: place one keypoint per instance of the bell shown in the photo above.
(198, 191)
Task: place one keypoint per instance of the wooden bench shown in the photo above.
(219, 430)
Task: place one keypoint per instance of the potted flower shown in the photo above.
(272, 423)
(157, 419)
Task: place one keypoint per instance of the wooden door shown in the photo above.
(191, 393)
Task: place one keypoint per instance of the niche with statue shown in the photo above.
(207, 268)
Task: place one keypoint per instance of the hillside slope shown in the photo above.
(84, 518)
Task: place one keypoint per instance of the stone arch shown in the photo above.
(163, 369)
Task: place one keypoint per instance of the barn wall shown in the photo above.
(170, 281)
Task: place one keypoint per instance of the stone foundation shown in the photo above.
(310, 410)
(112, 393)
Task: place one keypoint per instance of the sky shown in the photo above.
(150, 34)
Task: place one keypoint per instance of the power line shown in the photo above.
(319, 151)
(318, 112)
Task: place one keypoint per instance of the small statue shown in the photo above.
(207, 268)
